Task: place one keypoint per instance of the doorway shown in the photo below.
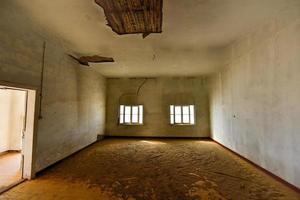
(17, 111)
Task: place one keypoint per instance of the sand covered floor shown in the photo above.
(152, 169)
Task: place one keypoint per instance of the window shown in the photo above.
(131, 115)
(182, 115)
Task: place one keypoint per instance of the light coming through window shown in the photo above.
(182, 115)
(131, 115)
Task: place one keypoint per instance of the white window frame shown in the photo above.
(173, 115)
(140, 115)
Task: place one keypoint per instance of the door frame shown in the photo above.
(30, 140)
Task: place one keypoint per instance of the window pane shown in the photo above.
(127, 119)
(171, 109)
(172, 119)
(121, 119)
(121, 116)
(177, 118)
(192, 114)
(177, 110)
(127, 114)
(121, 109)
(186, 119)
(185, 110)
(127, 110)
(141, 114)
(135, 110)
(134, 118)
(192, 109)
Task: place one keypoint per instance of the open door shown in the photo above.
(17, 113)
(29, 136)
(24, 117)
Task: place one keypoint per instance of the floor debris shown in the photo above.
(130, 169)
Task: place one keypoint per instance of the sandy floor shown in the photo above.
(10, 169)
(152, 169)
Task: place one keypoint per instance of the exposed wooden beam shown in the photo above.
(85, 60)
(133, 16)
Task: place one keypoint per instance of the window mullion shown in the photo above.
(181, 114)
(189, 114)
(130, 114)
(123, 114)
(138, 115)
(174, 114)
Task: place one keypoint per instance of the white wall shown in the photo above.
(156, 96)
(12, 111)
(255, 100)
(4, 120)
(73, 107)
(17, 119)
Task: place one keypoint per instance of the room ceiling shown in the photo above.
(194, 35)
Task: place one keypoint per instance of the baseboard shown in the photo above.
(5, 189)
(14, 151)
(10, 151)
(157, 137)
(100, 137)
(61, 160)
(293, 187)
(3, 153)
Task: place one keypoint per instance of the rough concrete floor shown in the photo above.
(152, 169)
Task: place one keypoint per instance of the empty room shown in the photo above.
(150, 100)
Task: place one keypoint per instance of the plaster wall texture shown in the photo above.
(17, 117)
(4, 122)
(194, 33)
(254, 101)
(12, 114)
(156, 96)
(73, 106)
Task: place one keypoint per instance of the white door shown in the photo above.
(24, 121)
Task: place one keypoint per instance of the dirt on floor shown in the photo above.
(132, 169)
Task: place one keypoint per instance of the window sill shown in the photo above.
(182, 124)
(131, 124)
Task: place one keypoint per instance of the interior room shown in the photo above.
(150, 99)
(16, 131)
(12, 111)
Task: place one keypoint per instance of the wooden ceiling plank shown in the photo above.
(133, 16)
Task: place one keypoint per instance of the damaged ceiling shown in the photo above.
(194, 33)
(86, 60)
(133, 16)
